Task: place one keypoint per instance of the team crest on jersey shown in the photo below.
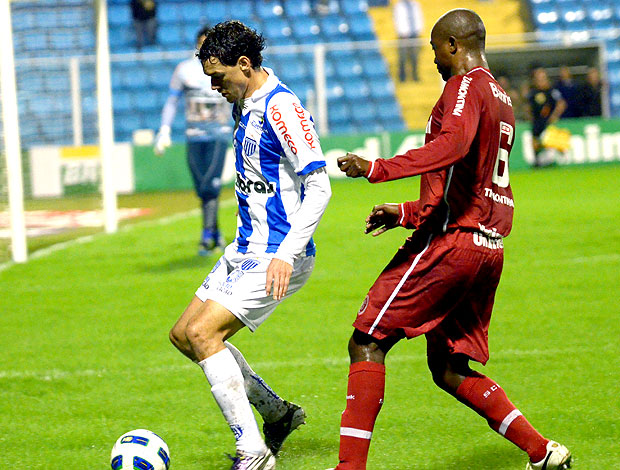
(364, 305)
(249, 146)
(249, 264)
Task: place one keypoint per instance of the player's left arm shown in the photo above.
(300, 143)
(559, 108)
(458, 130)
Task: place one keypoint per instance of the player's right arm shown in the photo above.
(462, 105)
(162, 139)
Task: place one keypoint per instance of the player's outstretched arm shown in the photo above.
(353, 165)
(382, 218)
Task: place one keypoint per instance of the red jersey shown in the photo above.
(464, 162)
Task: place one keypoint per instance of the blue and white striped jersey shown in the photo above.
(207, 114)
(276, 147)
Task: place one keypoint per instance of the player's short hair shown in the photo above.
(230, 40)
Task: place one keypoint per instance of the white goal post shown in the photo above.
(12, 143)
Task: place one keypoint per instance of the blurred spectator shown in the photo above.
(144, 13)
(590, 94)
(519, 104)
(570, 92)
(408, 22)
(320, 6)
(546, 106)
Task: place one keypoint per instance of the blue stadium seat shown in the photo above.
(343, 128)
(191, 12)
(373, 64)
(122, 100)
(389, 110)
(573, 15)
(242, 10)
(168, 13)
(296, 8)
(351, 7)
(335, 28)
(348, 66)
(307, 30)
(119, 15)
(361, 27)
(216, 11)
(171, 36)
(277, 28)
(338, 112)
(268, 10)
(356, 88)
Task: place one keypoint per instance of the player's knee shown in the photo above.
(177, 337)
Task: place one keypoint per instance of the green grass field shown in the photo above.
(85, 352)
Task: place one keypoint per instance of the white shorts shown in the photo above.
(237, 282)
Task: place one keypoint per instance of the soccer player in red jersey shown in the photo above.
(442, 281)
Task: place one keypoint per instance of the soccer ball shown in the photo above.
(140, 449)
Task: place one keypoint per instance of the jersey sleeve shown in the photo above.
(294, 128)
(462, 107)
(176, 82)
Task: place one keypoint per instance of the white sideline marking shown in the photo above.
(126, 228)
(50, 375)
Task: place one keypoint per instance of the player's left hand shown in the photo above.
(382, 218)
(278, 276)
(353, 165)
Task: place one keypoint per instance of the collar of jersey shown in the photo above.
(268, 86)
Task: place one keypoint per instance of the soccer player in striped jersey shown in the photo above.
(282, 190)
(442, 281)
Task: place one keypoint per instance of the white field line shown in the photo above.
(126, 228)
(51, 375)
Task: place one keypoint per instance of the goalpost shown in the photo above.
(39, 71)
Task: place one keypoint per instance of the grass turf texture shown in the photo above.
(85, 354)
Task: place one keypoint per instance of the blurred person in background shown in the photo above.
(519, 105)
(590, 94)
(408, 23)
(144, 14)
(570, 92)
(208, 128)
(546, 106)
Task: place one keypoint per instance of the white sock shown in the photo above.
(227, 388)
(270, 406)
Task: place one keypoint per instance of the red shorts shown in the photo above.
(442, 286)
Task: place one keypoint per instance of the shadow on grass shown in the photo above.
(188, 262)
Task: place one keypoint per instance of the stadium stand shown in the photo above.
(595, 19)
(359, 80)
(139, 87)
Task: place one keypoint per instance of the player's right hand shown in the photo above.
(162, 140)
(382, 218)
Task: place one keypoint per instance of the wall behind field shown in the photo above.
(592, 141)
(58, 171)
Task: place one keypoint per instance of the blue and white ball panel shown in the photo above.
(140, 449)
(237, 282)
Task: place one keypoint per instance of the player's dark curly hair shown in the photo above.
(230, 40)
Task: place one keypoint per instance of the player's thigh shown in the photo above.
(212, 322)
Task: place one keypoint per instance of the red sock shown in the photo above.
(364, 400)
(488, 399)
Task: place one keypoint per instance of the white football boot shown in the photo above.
(246, 461)
(558, 458)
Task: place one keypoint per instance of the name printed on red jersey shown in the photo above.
(462, 93)
(499, 198)
(503, 97)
